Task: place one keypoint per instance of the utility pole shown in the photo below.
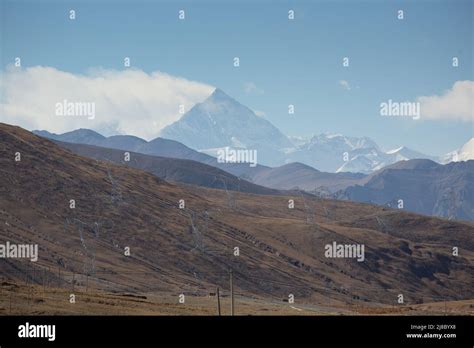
(218, 302)
(231, 294)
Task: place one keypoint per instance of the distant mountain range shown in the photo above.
(347, 167)
(421, 186)
(156, 147)
(338, 153)
(286, 177)
(424, 185)
(220, 121)
(171, 169)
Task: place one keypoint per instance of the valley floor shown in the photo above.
(17, 298)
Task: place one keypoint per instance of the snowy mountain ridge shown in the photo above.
(220, 122)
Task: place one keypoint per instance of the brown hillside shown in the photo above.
(191, 250)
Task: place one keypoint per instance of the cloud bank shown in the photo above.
(455, 104)
(126, 102)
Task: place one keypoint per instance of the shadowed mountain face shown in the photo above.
(424, 186)
(190, 250)
(171, 169)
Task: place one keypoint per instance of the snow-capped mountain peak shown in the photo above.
(221, 121)
(464, 153)
(467, 151)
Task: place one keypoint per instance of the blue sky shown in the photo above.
(289, 62)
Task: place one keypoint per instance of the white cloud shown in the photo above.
(251, 88)
(455, 104)
(345, 84)
(128, 102)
